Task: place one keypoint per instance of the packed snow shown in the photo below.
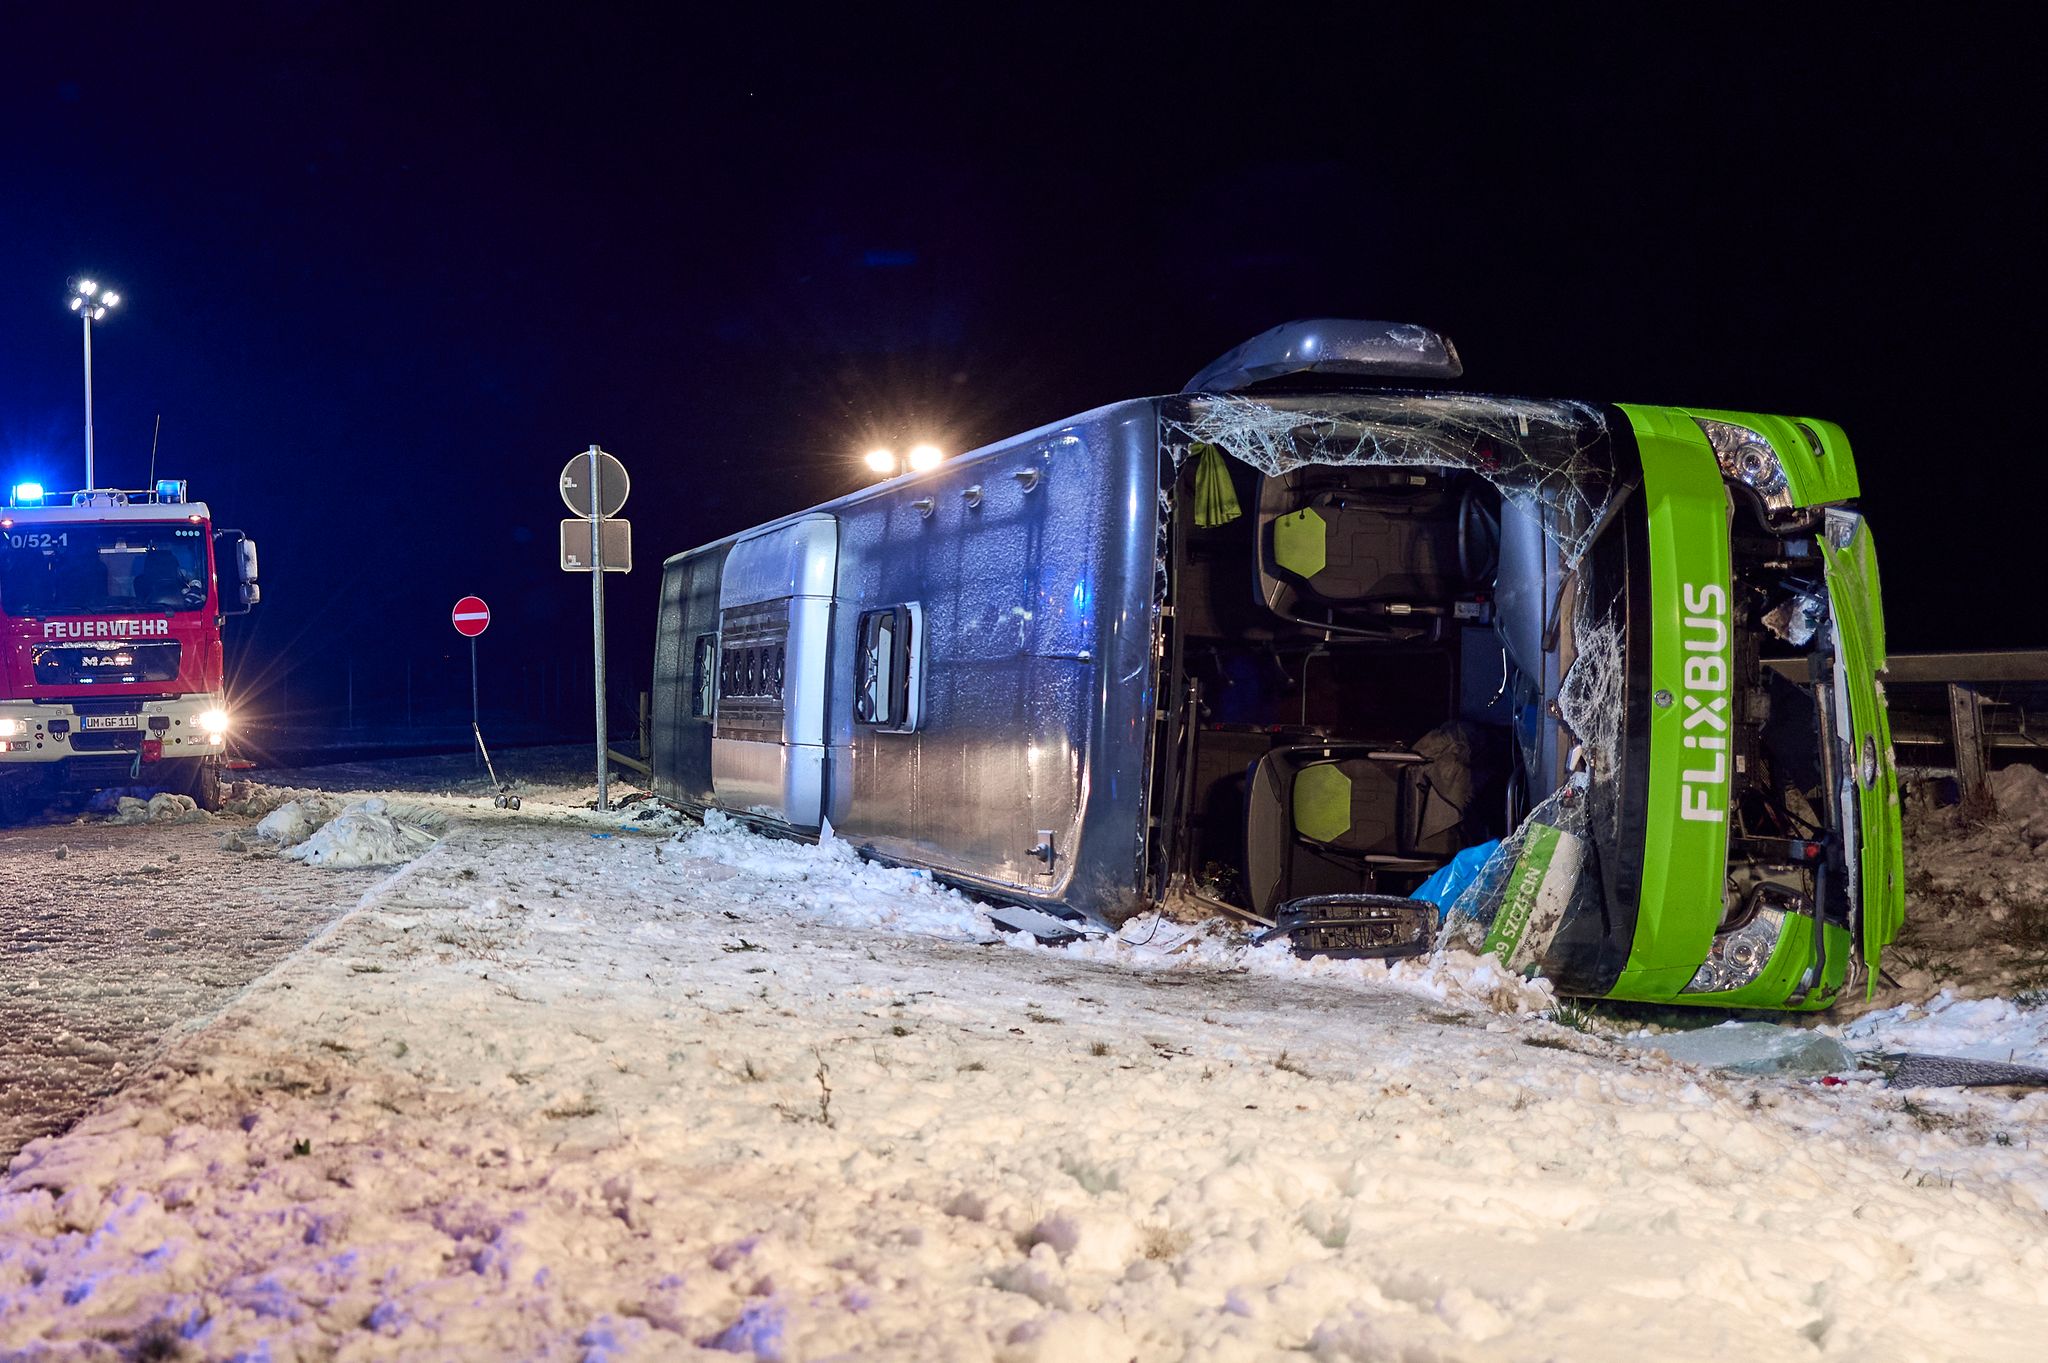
(569, 1086)
(372, 832)
(1977, 1029)
(115, 935)
(160, 807)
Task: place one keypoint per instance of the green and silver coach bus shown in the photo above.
(1322, 633)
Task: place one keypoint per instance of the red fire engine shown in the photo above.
(111, 605)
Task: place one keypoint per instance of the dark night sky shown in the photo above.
(388, 267)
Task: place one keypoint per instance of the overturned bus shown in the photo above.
(1286, 644)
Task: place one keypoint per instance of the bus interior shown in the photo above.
(1342, 696)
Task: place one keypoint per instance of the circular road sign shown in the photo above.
(471, 616)
(612, 484)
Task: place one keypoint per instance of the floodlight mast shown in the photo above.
(90, 302)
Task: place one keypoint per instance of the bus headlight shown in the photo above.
(215, 722)
(1738, 957)
(1748, 457)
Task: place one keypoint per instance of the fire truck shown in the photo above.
(111, 668)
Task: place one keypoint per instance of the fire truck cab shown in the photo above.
(111, 667)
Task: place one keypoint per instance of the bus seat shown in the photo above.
(1359, 537)
(1336, 819)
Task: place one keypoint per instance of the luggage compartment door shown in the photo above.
(769, 748)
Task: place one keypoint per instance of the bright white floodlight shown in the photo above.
(923, 457)
(91, 304)
(881, 461)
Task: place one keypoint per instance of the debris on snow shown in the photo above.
(1752, 1048)
(1946, 1071)
(373, 832)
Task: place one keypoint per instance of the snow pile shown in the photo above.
(292, 822)
(253, 800)
(2021, 794)
(162, 807)
(1976, 897)
(831, 880)
(373, 832)
(1975, 1029)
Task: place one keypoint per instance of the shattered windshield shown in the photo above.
(1548, 456)
(63, 569)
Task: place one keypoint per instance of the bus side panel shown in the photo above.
(681, 734)
(1033, 575)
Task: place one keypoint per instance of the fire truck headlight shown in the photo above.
(13, 728)
(215, 722)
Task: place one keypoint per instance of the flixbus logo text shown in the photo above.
(1703, 789)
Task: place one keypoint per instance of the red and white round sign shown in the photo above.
(472, 617)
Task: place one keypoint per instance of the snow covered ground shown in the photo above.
(113, 936)
(563, 1088)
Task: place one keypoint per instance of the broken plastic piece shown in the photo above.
(1355, 926)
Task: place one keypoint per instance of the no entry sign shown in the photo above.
(471, 616)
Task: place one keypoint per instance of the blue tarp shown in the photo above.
(1448, 881)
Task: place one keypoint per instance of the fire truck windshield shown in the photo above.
(71, 569)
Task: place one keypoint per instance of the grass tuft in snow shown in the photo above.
(1575, 1015)
(1158, 1241)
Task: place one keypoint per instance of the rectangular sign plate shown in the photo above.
(618, 546)
(109, 722)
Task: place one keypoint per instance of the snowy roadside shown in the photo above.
(113, 936)
(557, 1095)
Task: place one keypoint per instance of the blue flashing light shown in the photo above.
(26, 494)
(170, 489)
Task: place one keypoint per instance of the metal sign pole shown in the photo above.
(475, 714)
(597, 625)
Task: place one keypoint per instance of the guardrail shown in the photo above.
(1970, 704)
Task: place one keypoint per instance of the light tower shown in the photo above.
(91, 303)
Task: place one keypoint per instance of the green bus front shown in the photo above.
(1736, 843)
(1771, 871)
